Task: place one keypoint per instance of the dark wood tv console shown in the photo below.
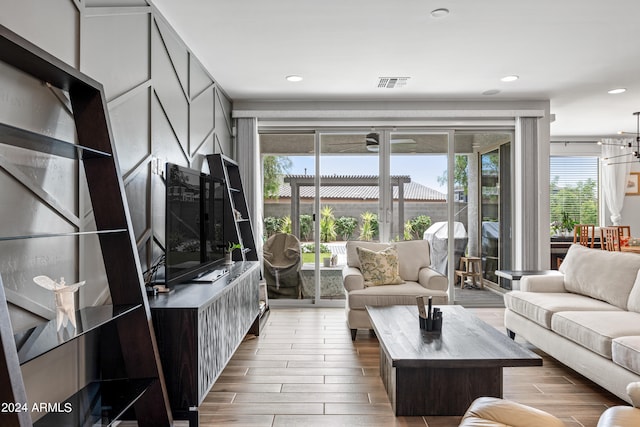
(199, 327)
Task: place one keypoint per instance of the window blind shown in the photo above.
(574, 189)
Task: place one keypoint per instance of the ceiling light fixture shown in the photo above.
(294, 78)
(617, 91)
(491, 92)
(439, 13)
(511, 78)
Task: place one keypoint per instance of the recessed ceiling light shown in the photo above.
(512, 78)
(491, 92)
(294, 78)
(616, 91)
(439, 13)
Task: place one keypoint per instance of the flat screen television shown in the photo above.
(194, 221)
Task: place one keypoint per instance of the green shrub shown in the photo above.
(310, 248)
(419, 225)
(369, 226)
(345, 226)
(285, 224)
(327, 225)
(408, 231)
(306, 227)
(271, 225)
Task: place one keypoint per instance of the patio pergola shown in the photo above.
(297, 181)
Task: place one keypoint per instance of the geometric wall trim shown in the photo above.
(199, 80)
(177, 55)
(163, 107)
(169, 91)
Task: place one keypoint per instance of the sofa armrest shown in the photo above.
(352, 278)
(431, 279)
(554, 284)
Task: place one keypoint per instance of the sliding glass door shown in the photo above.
(347, 203)
(327, 187)
(288, 171)
(495, 211)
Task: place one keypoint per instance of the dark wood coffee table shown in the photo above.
(427, 374)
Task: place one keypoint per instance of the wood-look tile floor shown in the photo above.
(304, 370)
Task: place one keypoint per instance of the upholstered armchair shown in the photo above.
(494, 412)
(417, 278)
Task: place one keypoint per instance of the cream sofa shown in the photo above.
(413, 265)
(494, 412)
(588, 317)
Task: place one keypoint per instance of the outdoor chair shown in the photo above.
(282, 256)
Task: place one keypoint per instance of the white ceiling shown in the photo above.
(569, 51)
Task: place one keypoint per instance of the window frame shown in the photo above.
(580, 149)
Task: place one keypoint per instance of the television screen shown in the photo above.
(194, 218)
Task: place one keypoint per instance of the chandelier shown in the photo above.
(636, 149)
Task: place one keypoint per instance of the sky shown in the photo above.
(423, 169)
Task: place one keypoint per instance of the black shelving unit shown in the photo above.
(237, 221)
(125, 328)
(43, 338)
(99, 403)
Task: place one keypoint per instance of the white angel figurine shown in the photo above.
(65, 307)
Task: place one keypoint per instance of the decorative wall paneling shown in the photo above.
(13, 389)
(224, 129)
(132, 50)
(36, 186)
(168, 114)
(53, 25)
(135, 340)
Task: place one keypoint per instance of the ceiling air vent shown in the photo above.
(392, 82)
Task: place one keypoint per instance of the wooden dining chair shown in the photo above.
(584, 234)
(610, 238)
(624, 230)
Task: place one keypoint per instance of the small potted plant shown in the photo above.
(228, 254)
(567, 223)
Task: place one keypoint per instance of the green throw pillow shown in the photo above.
(379, 268)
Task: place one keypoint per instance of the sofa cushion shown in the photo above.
(595, 330)
(352, 254)
(625, 351)
(379, 268)
(604, 275)
(540, 307)
(385, 295)
(413, 255)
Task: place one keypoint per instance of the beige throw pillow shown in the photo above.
(379, 268)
